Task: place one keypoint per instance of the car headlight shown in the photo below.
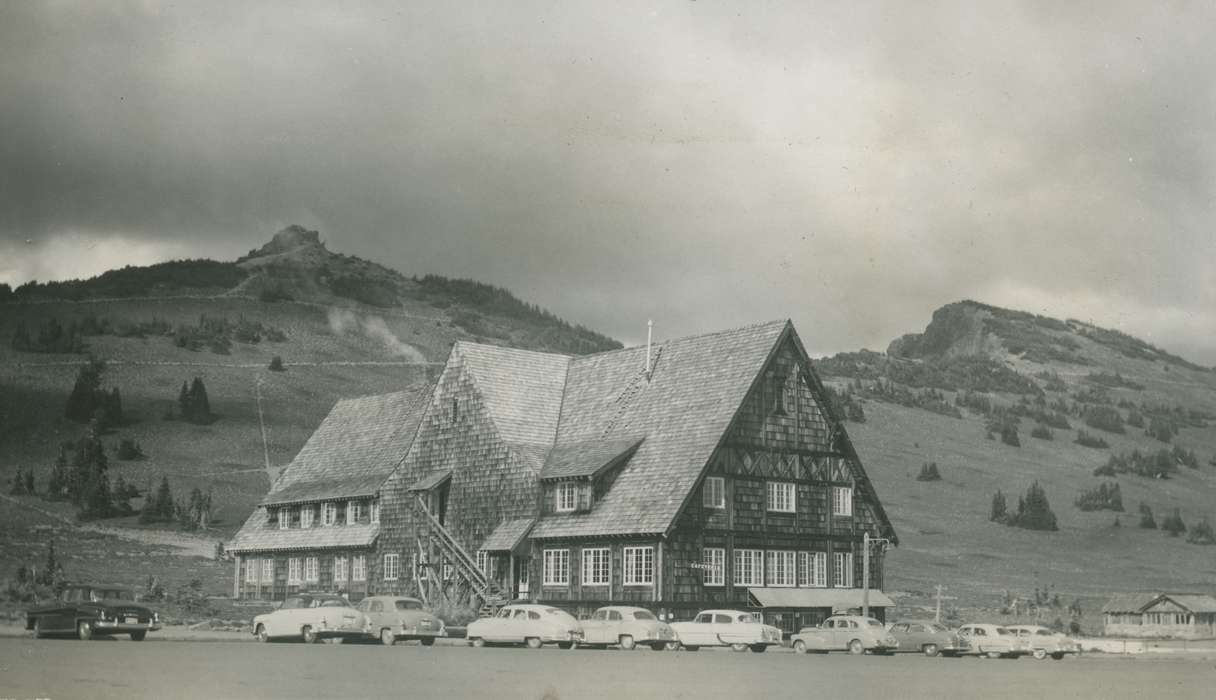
(156, 617)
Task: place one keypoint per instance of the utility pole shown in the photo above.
(937, 616)
(262, 422)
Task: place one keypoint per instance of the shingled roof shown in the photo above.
(587, 459)
(255, 538)
(1138, 602)
(354, 449)
(521, 389)
(683, 409)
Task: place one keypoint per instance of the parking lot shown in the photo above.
(122, 669)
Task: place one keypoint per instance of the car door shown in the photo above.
(700, 632)
(902, 632)
(917, 636)
(724, 630)
(613, 627)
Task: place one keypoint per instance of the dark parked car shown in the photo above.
(930, 638)
(87, 611)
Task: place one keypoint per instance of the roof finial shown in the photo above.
(649, 331)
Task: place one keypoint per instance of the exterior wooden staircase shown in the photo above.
(465, 566)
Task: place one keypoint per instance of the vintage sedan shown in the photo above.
(993, 641)
(89, 611)
(734, 628)
(391, 618)
(311, 617)
(852, 633)
(533, 625)
(1044, 642)
(927, 637)
(627, 627)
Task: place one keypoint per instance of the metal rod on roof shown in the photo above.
(649, 332)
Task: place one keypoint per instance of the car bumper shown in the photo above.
(418, 632)
(123, 627)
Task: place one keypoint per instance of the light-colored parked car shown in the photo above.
(927, 637)
(311, 617)
(533, 625)
(627, 627)
(734, 628)
(391, 618)
(993, 641)
(852, 633)
(1044, 642)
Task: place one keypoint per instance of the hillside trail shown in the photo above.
(379, 311)
(191, 545)
(234, 365)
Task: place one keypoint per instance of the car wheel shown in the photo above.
(427, 641)
(1058, 655)
(994, 654)
(310, 637)
(84, 630)
(567, 645)
(758, 648)
(139, 636)
(671, 646)
(688, 647)
(533, 642)
(930, 650)
(1040, 654)
(387, 638)
(856, 647)
(799, 647)
(627, 642)
(477, 642)
(659, 646)
(738, 647)
(262, 634)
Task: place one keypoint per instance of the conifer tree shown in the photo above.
(1034, 512)
(999, 512)
(1146, 517)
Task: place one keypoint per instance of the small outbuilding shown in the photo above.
(1160, 615)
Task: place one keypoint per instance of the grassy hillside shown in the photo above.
(925, 401)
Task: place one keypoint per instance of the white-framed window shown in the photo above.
(842, 571)
(566, 497)
(483, 561)
(524, 575)
(713, 559)
(268, 570)
(354, 511)
(293, 571)
(713, 494)
(392, 566)
(306, 516)
(813, 569)
(374, 511)
(557, 567)
(312, 570)
(284, 518)
(782, 568)
(329, 513)
(597, 566)
(842, 500)
(781, 497)
(339, 570)
(251, 571)
(749, 567)
(639, 566)
(358, 568)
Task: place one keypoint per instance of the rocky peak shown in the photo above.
(290, 239)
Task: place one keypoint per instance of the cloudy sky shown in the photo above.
(852, 166)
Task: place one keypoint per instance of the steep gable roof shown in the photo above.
(587, 459)
(1142, 600)
(354, 449)
(683, 409)
(521, 389)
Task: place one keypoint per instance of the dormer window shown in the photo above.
(374, 512)
(329, 513)
(306, 513)
(284, 518)
(566, 497)
(354, 511)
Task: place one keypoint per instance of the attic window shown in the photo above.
(566, 497)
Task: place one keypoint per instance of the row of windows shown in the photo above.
(638, 564)
(305, 570)
(784, 568)
(351, 513)
(782, 496)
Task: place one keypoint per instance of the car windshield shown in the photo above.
(295, 602)
(97, 594)
(332, 603)
(1045, 633)
(642, 615)
(506, 612)
(1002, 630)
(409, 605)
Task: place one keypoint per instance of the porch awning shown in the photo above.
(431, 481)
(833, 598)
(508, 535)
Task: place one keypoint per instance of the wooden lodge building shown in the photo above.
(1160, 615)
(703, 472)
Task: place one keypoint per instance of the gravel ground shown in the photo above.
(122, 669)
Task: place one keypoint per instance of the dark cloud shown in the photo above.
(706, 164)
